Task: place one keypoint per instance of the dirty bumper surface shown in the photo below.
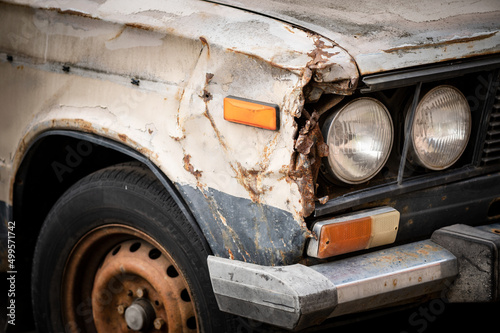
(298, 296)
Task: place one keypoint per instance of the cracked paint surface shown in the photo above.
(153, 76)
(393, 34)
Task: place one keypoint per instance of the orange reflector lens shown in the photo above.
(344, 237)
(251, 113)
(353, 232)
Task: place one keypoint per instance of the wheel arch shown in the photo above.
(37, 152)
(36, 187)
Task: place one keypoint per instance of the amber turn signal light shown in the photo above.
(251, 113)
(353, 232)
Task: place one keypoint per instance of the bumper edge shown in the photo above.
(288, 296)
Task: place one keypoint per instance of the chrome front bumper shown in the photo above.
(459, 263)
(298, 296)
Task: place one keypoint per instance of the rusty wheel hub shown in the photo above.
(140, 315)
(137, 287)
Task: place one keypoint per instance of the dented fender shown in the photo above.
(155, 81)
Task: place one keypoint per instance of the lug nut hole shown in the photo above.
(185, 296)
(172, 272)
(191, 323)
(154, 254)
(134, 247)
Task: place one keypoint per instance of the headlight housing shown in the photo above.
(441, 128)
(359, 137)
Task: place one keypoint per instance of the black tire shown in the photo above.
(97, 216)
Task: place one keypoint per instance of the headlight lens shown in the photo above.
(359, 137)
(441, 128)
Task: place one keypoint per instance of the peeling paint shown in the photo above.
(173, 114)
(385, 35)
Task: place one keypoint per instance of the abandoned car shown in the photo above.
(173, 165)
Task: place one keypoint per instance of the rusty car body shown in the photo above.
(89, 84)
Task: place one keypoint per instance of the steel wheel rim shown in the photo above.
(104, 273)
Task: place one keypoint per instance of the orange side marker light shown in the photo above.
(251, 113)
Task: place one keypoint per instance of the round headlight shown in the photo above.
(359, 137)
(441, 128)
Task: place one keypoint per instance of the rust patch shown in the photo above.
(189, 167)
(328, 77)
(205, 44)
(204, 41)
(206, 96)
(319, 55)
(208, 78)
(251, 180)
(122, 137)
(321, 77)
(423, 252)
(310, 148)
(323, 200)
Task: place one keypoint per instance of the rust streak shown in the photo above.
(265, 159)
(216, 130)
(178, 116)
(119, 33)
(139, 26)
(444, 43)
(289, 29)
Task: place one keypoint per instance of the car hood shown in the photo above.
(388, 34)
